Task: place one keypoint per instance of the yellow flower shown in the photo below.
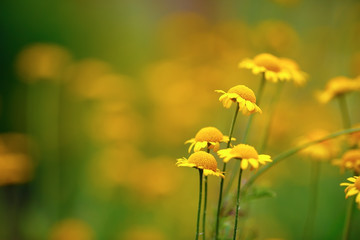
(338, 86)
(320, 151)
(201, 160)
(243, 95)
(207, 137)
(246, 153)
(299, 77)
(267, 64)
(71, 229)
(353, 188)
(350, 160)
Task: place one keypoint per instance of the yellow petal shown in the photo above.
(254, 162)
(351, 192)
(244, 164)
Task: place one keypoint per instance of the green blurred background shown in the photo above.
(98, 97)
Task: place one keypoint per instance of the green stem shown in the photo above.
(345, 114)
(205, 203)
(314, 182)
(224, 169)
(259, 95)
(347, 226)
(199, 206)
(273, 104)
(237, 204)
(294, 150)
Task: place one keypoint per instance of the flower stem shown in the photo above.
(199, 206)
(345, 114)
(237, 204)
(273, 104)
(294, 150)
(259, 95)
(224, 169)
(314, 182)
(205, 203)
(347, 226)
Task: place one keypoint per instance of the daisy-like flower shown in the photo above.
(299, 77)
(210, 137)
(242, 95)
(247, 154)
(201, 160)
(353, 188)
(338, 86)
(350, 160)
(267, 64)
(321, 151)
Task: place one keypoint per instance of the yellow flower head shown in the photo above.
(338, 86)
(201, 160)
(267, 64)
(243, 95)
(299, 77)
(350, 160)
(207, 137)
(321, 151)
(353, 188)
(246, 153)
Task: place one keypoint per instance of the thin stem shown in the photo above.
(314, 182)
(199, 206)
(205, 203)
(259, 95)
(224, 169)
(273, 103)
(347, 226)
(237, 204)
(345, 114)
(294, 150)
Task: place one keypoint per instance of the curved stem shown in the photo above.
(237, 204)
(294, 150)
(224, 169)
(199, 206)
(314, 182)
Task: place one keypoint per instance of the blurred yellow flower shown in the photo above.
(321, 151)
(243, 95)
(350, 160)
(42, 61)
(207, 137)
(201, 160)
(353, 188)
(354, 138)
(268, 65)
(71, 229)
(297, 76)
(246, 153)
(338, 86)
(16, 165)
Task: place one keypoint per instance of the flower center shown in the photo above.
(209, 134)
(289, 64)
(268, 61)
(357, 183)
(203, 159)
(245, 151)
(244, 92)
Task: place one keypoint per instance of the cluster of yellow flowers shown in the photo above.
(272, 69)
